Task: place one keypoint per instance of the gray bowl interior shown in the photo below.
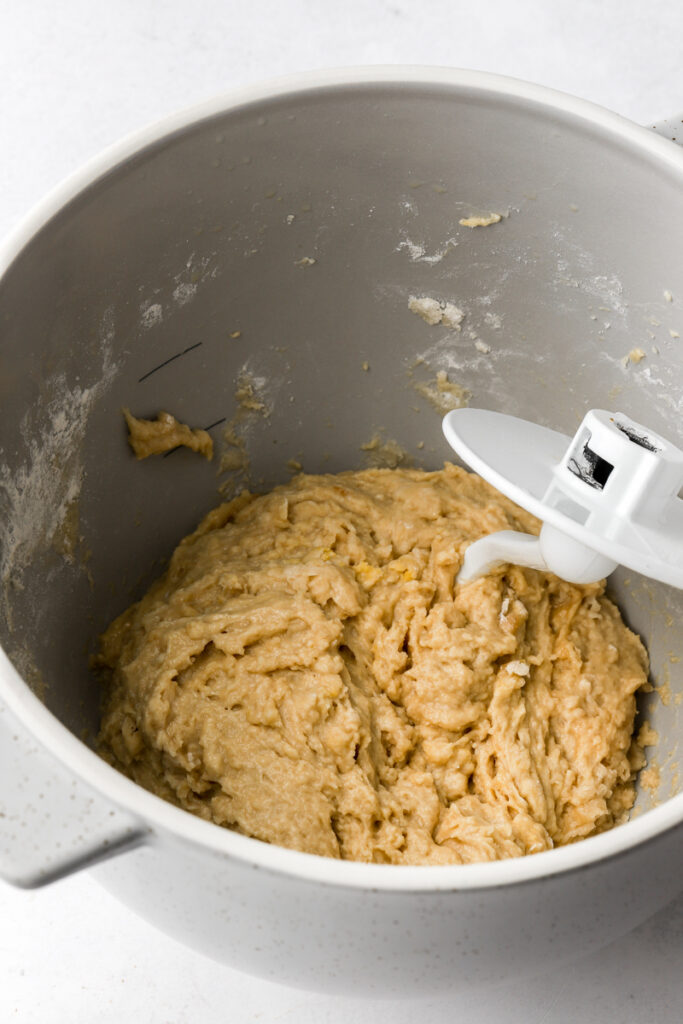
(134, 293)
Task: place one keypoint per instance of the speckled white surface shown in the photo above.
(77, 76)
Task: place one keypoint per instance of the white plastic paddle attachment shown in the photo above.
(607, 497)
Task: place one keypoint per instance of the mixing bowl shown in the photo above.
(276, 237)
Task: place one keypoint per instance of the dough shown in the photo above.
(443, 394)
(152, 437)
(481, 222)
(306, 672)
(434, 311)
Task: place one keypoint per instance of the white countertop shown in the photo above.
(77, 75)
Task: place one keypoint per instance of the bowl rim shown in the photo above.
(163, 820)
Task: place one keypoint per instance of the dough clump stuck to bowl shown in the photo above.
(306, 672)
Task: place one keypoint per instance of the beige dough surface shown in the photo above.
(481, 222)
(154, 437)
(308, 673)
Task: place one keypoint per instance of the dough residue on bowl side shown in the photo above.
(163, 434)
(435, 311)
(443, 394)
(479, 221)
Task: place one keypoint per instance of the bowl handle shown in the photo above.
(52, 823)
(671, 128)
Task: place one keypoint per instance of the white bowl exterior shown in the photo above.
(320, 923)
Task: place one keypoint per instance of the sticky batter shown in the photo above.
(154, 437)
(308, 673)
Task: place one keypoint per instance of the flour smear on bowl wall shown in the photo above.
(281, 214)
